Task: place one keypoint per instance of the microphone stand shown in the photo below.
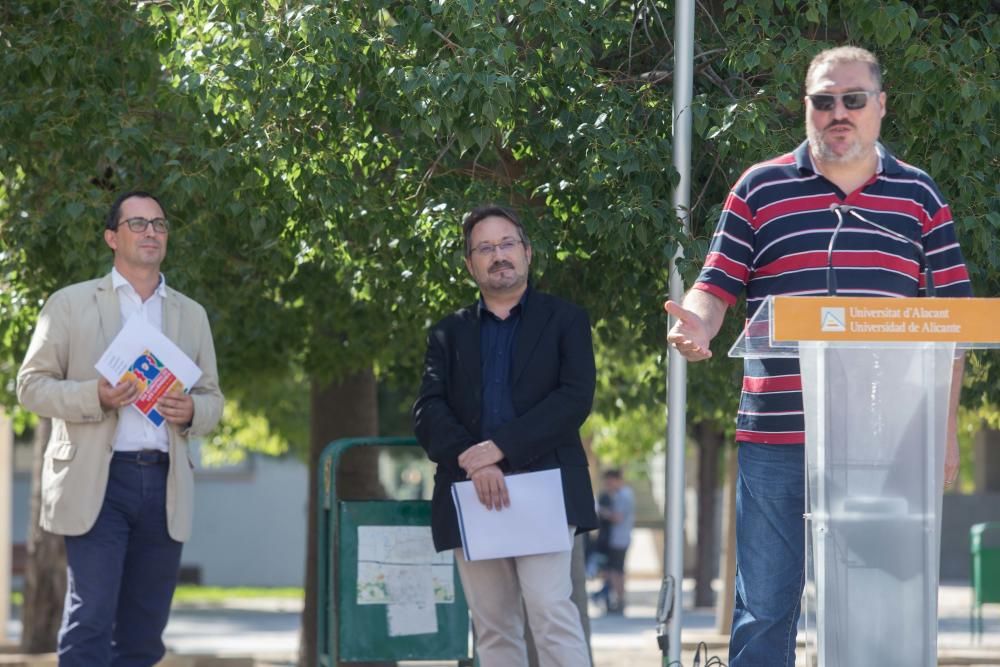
(831, 276)
(928, 273)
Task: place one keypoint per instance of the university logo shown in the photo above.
(832, 320)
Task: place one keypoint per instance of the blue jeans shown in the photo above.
(770, 501)
(122, 574)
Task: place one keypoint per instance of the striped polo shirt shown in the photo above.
(772, 239)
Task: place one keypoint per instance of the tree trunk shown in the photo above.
(344, 408)
(710, 441)
(45, 570)
(727, 560)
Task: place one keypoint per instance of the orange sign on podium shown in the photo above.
(940, 320)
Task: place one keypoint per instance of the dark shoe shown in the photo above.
(601, 596)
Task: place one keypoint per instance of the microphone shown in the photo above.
(831, 276)
(921, 255)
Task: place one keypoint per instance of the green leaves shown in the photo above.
(317, 159)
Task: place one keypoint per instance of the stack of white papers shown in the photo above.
(535, 522)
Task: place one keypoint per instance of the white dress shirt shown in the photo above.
(135, 432)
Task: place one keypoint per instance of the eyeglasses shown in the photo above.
(852, 101)
(487, 249)
(139, 225)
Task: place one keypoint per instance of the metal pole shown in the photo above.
(677, 367)
(6, 492)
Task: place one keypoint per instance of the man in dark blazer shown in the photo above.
(508, 381)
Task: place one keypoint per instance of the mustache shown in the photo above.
(500, 264)
(838, 123)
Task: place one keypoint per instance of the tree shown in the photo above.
(45, 569)
(306, 127)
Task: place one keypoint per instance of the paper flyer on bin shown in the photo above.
(143, 355)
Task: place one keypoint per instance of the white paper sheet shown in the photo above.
(400, 544)
(411, 619)
(142, 354)
(411, 591)
(535, 522)
(397, 565)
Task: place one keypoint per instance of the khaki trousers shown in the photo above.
(499, 591)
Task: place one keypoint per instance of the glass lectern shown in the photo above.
(876, 378)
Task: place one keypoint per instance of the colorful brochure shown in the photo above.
(144, 356)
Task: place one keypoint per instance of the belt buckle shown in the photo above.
(148, 456)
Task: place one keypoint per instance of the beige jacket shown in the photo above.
(58, 380)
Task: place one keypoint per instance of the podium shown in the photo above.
(876, 380)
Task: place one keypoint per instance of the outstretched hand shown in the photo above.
(689, 335)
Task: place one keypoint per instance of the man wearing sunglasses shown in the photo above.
(117, 487)
(774, 237)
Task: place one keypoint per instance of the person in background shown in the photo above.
(597, 544)
(620, 515)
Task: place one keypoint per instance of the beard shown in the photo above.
(503, 275)
(825, 152)
(511, 280)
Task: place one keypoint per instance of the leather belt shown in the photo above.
(143, 456)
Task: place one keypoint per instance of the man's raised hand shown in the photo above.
(688, 335)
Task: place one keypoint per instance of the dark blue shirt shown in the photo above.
(496, 349)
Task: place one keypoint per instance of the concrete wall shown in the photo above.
(959, 513)
(249, 522)
(986, 454)
(250, 527)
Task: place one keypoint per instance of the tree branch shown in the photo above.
(452, 45)
(433, 168)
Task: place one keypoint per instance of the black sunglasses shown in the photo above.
(852, 101)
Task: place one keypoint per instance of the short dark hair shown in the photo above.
(845, 54)
(613, 473)
(480, 213)
(111, 222)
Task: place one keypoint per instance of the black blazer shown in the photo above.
(552, 382)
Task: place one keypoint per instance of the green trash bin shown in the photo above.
(985, 572)
(384, 594)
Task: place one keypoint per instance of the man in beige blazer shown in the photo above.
(117, 487)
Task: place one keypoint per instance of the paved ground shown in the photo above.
(265, 633)
(268, 631)
(271, 634)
